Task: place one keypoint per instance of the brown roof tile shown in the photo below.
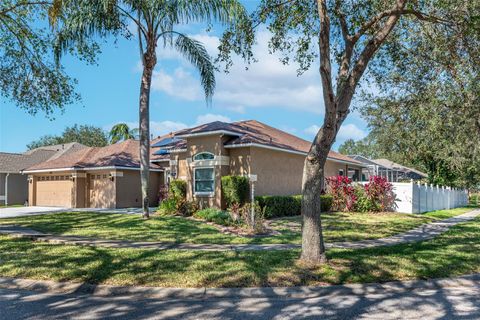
(123, 154)
(252, 131)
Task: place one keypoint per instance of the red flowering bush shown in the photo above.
(377, 195)
(343, 193)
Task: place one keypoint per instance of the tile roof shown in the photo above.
(255, 132)
(15, 162)
(123, 154)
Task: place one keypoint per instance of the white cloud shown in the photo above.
(181, 84)
(159, 128)
(209, 117)
(347, 131)
(312, 130)
(351, 131)
(266, 83)
(164, 127)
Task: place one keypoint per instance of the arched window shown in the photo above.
(203, 156)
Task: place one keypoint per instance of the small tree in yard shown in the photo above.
(155, 22)
(353, 33)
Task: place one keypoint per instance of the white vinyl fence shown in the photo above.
(417, 198)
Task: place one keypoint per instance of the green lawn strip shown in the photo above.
(337, 227)
(453, 253)
(445, 214)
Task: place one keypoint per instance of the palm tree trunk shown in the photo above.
(148, 66)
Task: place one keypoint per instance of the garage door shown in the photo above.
(55, 193)
(101, 191)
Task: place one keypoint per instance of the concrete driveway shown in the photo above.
(31, 211)
(28, 211)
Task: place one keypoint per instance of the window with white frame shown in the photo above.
(204, 180)
(203, 156)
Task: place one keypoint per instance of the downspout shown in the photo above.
(6, 189)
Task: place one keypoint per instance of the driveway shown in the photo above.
(27, 211)
(31, 211)
(455, 298)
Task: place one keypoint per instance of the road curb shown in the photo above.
(52, 287)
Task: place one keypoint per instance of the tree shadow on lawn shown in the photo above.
(453, 253)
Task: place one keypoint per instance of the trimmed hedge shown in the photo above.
(284, 206)
(235, 190)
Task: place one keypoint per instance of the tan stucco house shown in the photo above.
(203, 154)
(14, 184)
(106, 177)
(109, 177)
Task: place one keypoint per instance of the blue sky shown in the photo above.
(268, 91)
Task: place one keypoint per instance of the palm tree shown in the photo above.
(121, 131)
(155, 22)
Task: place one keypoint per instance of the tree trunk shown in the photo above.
(148, 65)
(313, 247)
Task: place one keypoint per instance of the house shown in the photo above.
(98, 177)
(109, 177)
(203, 154)
(394, 172)
(13, 184)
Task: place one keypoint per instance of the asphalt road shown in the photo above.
(368, 302)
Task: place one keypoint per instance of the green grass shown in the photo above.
(453, 253)
(337, 226)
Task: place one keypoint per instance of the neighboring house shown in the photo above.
(106, 177)
(13, 184)
(394, 172)
(203, 154)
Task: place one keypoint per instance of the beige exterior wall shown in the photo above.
(278, 173)
(240, 161)
(128, 188)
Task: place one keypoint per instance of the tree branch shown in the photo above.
(137, 22)
(388, 13)
(366, 55)
(15, 6)
(325, 62)
(348, 52)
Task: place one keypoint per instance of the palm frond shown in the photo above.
(195, 52)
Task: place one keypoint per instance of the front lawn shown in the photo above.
(453, 253)
(337, 227)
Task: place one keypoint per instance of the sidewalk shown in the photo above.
(454, 298)
(421, 233)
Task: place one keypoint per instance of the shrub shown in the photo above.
(235, 189)
(178, 190)
(167, 207)
(253, 222)
(280, 206)
(377, 195)
(342, 192)
(326, 201)
(474, 199)
(214, 215)
(187, 208)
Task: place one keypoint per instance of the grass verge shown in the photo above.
(337, 226)
(453, 253)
